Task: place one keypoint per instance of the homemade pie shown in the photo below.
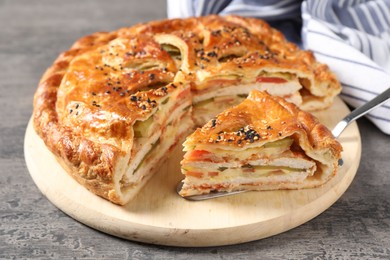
(112, 106)
(264, 143)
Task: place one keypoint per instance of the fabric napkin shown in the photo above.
(351, 36)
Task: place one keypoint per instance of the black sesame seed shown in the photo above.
(143, 107)
(213, 123)
(93, 94)
(70, 111)
(212, 54)
(239, 141)
(216, 33)
(133, 98)
(151, 76)
(77, 106)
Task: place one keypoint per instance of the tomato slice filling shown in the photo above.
(201, 155)
(275, 80)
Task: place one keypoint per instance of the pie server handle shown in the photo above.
(360, 111)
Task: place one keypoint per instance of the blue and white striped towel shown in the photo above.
(351, 36)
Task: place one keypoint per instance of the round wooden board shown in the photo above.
(159, 216)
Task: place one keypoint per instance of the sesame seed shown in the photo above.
(212, 54)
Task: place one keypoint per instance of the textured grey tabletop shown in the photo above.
(32, 34)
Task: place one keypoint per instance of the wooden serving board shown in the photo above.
(159, 216)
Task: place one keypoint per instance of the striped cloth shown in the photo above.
(285, 15)
(351, 36)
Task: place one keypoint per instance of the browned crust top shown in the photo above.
(263, 118)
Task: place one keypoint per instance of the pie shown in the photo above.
(113, 105)
(264, 143)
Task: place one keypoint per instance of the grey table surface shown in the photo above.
(32, 34)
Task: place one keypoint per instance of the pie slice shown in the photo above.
(264, 143)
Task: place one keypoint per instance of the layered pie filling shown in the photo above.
(209, 167)
(153, 138)
(220, 93)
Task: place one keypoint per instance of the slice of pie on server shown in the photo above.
(264, 143)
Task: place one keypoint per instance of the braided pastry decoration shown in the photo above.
(113, 105)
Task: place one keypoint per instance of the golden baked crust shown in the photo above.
(272, 117)
(89, 100)
(258, 121)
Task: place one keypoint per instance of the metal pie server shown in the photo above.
(337, 130)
